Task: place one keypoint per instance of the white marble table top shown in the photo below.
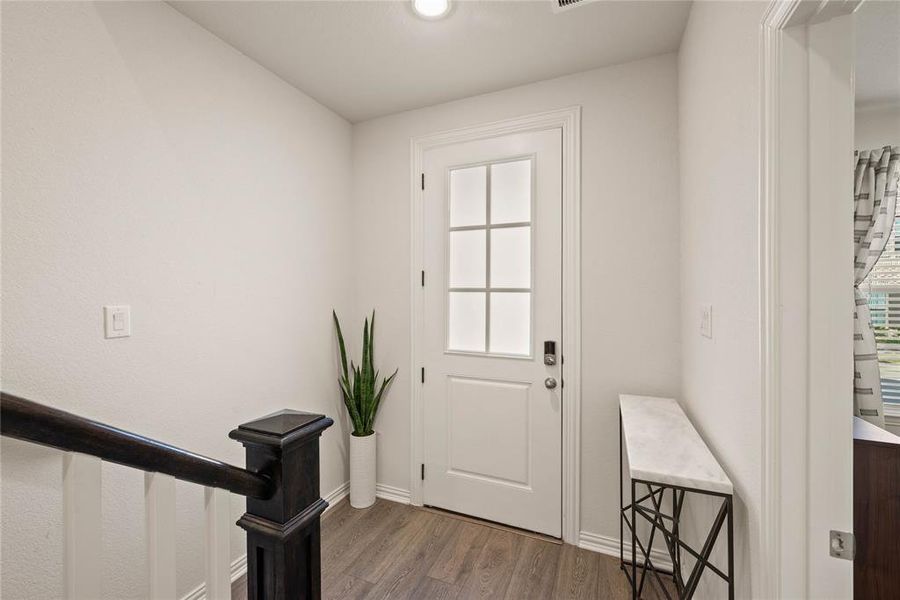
(662, 446)
(863, 430)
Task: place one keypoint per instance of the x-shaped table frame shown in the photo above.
(668, 525)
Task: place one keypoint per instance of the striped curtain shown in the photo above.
(875, 195)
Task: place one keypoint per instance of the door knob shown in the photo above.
(550, 383)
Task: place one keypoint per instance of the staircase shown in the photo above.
(281, 484)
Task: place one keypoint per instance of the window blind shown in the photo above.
(883, 289)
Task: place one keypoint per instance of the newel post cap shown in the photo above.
(281, 429)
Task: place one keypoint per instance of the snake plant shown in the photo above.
(359, 383)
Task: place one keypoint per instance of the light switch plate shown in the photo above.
(116, 321)
(706, 320)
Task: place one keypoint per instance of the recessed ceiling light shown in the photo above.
(431, 9)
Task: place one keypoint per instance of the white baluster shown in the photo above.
(159, 506)
(218, 551)
(81, 523)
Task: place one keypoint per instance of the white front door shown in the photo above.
(493, 297)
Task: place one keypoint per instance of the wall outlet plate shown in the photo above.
(116, 321)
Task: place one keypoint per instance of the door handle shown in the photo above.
(550, 383)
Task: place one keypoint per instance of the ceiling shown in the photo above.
(878, 53)
(368, 59)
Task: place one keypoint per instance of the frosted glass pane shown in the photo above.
(468, 190)
(511, 257)
(511, 192)
(467, 321)
(467, 258)
(511, 323)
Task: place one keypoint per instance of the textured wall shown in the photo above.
(630, 290)
(718, 102)
(147, 163)
(877, 127)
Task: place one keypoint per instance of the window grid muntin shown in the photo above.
(488, 289)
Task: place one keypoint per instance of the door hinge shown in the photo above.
(423, 374)
(423, 181)
(423, 278)
(423, 471)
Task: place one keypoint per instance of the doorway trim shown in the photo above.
(568, 120)
(794, 365)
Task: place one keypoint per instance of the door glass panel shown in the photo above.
(511, 323)
(468, 196)
(489, 258)
(511, 192)
(467, 320)
(511, 257)
(468, 259)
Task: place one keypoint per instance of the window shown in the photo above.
(489, 284)
(883, 288)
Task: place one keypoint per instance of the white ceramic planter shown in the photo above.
(362, 471)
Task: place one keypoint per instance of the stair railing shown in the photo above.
(281, 484)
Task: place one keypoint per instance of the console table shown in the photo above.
(664, 453)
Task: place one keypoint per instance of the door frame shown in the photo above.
(806, 86)
(568, 120)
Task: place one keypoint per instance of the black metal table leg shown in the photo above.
(621, 500)
(654, 513)
(634, 589)
(730, 501)
(675, 524)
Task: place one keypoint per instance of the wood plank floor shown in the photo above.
(392, 550)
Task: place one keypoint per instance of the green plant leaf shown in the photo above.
(340, 336)
(377, 399)
(359, 383)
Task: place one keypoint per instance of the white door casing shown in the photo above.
(806, 259)
(492, 256)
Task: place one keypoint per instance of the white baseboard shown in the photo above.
(239, 566)
(389, 492)
(383, 491)
(341, 492)
(238, 569)
(610, 546)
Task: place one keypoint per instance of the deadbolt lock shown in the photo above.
(550, 353)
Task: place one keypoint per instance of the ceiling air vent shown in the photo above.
(561, 5)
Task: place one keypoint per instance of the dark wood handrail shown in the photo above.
(33, 422)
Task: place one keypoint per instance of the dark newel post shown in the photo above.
(283, 531)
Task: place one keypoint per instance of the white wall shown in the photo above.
(630, 286)
(877, 127)
(148, 163)
(718, 67)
